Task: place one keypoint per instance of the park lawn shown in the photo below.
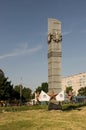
(44, 120)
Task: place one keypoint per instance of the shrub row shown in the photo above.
(71, 106)
(21, 108)
(68, 106)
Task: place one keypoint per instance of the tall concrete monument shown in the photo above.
(54, 55)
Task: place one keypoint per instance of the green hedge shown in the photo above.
(68, 106)
(71, 106)
(22, 108)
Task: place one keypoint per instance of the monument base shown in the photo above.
(54, 105)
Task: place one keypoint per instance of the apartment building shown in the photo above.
(76, 81)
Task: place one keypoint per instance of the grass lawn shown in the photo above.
(44, 120)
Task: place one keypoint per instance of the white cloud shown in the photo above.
(22, 47)
(23, 50)
(66, 33)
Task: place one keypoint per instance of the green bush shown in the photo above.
(22, 108)
(68, 106)
(71, 106)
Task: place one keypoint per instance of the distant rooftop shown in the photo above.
(75, 74)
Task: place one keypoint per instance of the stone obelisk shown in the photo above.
(54, 55)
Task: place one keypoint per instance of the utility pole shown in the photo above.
(20, 92)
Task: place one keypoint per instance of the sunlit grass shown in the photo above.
(44, 120)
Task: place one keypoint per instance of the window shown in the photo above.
(69, 83)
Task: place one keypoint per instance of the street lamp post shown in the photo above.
(20, 94)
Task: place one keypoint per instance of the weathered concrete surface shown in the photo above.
(54, 55)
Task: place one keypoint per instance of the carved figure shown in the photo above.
(56, 37)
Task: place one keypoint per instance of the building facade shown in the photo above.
(76, 81)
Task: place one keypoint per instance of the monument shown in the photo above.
(54, 62)
(54, 56)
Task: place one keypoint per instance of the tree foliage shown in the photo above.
(6, 89)
(44, 87)
(38, 89)
(26, 94)
(16, 93)
(22, 92)
(69, 89)
(82, 91)
(8, 92)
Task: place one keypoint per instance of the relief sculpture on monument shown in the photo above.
(56, 37)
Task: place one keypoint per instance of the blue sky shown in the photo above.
(23, 38)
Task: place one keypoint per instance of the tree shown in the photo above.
(22, 93)
(38, 89)
(44, 87)
(82, 91)
(6, 89)
(16, 93)
(69, 92)
(69, 89)
(26, 94)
